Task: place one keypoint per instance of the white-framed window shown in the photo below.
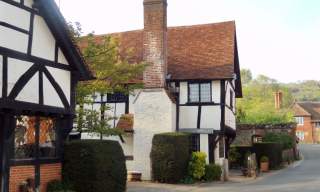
(300, 135)
(199, 92)
(299, 120)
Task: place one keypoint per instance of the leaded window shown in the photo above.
(199, 92)
(195, 143)
(32, 133)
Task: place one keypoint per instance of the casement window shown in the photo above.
(199, 92)
(299, 120)
(35, 138)
(195, 143)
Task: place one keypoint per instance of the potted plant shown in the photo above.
(264, 164)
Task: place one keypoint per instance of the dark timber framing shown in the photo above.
(10, 108)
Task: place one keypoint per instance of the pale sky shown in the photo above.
(277, 38)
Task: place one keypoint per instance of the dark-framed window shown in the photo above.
(199, 92)
(35, 138)
(117, 98)
(195, 142)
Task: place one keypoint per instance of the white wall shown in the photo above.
(210, 117)
(50, 95)
(230, 118)
(183, 92)
(216, 91)
(204, 145)
(14, 16)
(188, 117)
(14, 40)
(61, 58)
(153, 114)
(43, 42)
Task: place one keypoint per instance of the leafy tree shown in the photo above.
(112, 72)
(246, 76)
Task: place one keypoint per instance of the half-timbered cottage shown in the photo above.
(39, 68)
(190, 85)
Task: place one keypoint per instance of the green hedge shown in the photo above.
(287, 141)
(95, 166)
(169, 157)
(213, 172)
(272, 150)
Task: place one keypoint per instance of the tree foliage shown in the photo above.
(257, 105)
(112, 72)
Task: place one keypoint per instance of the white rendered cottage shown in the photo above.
(39, 69)
(191, 85)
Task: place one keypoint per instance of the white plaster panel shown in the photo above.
(210, 117)
(1, 72)
(230, 118)
(183, 92)
(43, 42)
(14, 40)
(14, 15)
(17, 1)
(153, 115)
(61, 58)
(30, 92)
(188, 117)
(50, 95)
(216, 91)
(28, 3)
(63, 78)
(16, 68)
(204, 145)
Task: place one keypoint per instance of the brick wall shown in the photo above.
(307, 128)
(155, 43)
(18, 174)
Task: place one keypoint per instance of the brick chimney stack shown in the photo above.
(278, 99)
(155, 43)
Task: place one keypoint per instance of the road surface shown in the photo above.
(302, 177)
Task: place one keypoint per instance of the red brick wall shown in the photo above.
(307, 128)
(48, 172)
(155, 43)
(19, 174)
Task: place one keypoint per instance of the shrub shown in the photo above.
(264, 159)
(197, 165)
(169, 157)
(213, 172)
(286, 140)
(58, 186)
(234, 155)
(95, 166)
(272, 150)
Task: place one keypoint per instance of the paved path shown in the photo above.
(304, 176)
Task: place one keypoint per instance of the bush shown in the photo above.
(213, 172)
(272, 150)
(286, 140)
(95, 166)
(170, 156)
(264, 159)
(58, 186)
(197, 165)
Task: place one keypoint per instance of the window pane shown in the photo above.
(24, 141)
(205, 92)
(47, 137)
(194, 92)
(195, 143)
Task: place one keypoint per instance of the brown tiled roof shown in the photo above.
(203, 52)
(309, 109)
(125, 123)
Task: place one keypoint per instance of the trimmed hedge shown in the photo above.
(95, 166)
(287, 141)
(169, 157)
(272, 150)
(213, 172)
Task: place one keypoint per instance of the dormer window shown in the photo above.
(199, 92)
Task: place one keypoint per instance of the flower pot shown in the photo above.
(264, 166)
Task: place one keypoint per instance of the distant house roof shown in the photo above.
(308, 109)
(198, 52)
